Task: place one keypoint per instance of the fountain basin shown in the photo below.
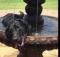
(46, 38)
(47, 34)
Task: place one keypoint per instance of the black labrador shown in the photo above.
(17, 29)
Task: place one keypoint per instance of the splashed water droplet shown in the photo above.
(36, 34)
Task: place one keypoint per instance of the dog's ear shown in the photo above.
(8, 33)
(21, 14)
(27, 26)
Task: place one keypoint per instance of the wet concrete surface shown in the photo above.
(49, 28)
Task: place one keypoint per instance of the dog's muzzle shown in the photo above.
(18, 44)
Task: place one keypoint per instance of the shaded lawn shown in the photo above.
(19, 4)
(12, 6)
(11, 1)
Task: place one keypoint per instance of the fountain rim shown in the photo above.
(41, 40)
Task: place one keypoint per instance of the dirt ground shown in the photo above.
(6, 51)
(44, 12)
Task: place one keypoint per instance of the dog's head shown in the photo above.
(20, 16)
(17, 31)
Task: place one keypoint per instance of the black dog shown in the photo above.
(16, 29)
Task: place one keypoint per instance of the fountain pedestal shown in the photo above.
(31, 10)
(34, 46)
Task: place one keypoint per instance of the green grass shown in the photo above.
(19, 4)
(12, 6)
(11, 1)
(50, 4)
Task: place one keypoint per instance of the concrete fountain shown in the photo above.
(44, 33)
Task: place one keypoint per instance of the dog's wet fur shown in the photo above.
(17, 28)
